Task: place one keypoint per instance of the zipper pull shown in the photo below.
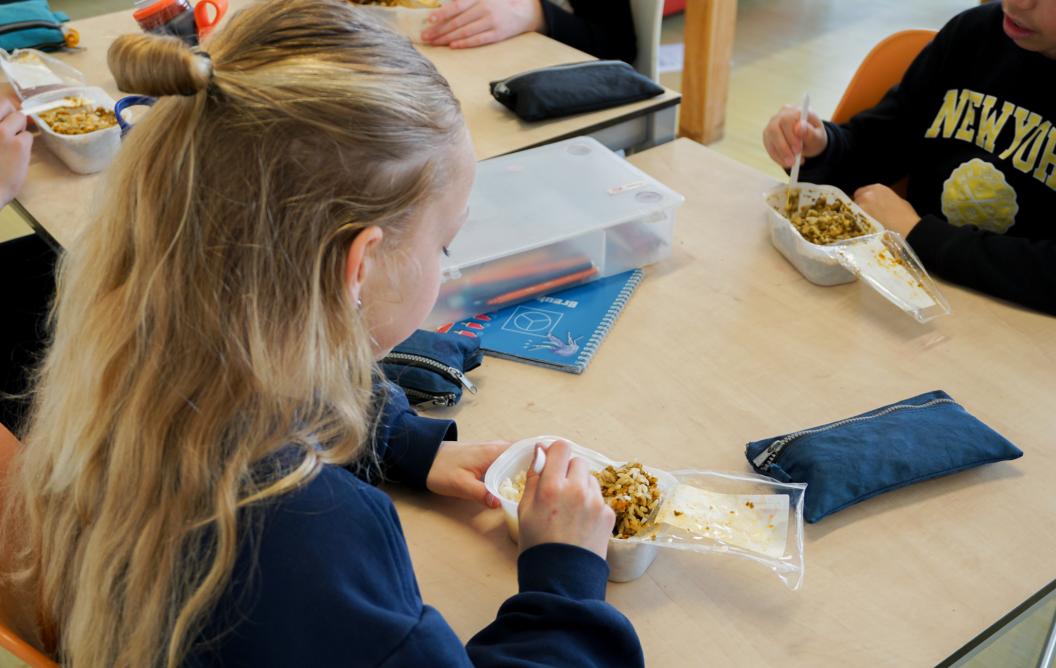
(771, 449)
(466, 382)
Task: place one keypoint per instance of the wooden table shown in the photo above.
(727, 343)
(55, 200)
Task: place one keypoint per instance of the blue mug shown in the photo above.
(130, 101)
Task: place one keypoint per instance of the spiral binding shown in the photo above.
(587, 352)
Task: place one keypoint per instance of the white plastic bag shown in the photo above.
(31, 72)
(743, 515)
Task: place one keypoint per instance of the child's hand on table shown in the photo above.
(784, 136)
(15, 145)
(467, 23)
(884, 204)
(563, 504)
(459, 468)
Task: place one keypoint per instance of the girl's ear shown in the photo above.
(360, 262)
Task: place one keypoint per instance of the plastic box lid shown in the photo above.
(543, 196)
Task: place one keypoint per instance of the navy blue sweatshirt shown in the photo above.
(602, 28)
(325, 579)
(971, 126)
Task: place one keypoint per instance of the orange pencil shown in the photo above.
(545, 286)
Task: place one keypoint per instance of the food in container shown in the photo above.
(823, 222)
(856, 246)
(80, 118)
(86, 139)
(748, 516)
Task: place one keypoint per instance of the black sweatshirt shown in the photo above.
(602, 28)
(972, 127)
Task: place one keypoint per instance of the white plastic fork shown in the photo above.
(54, 104)
(799, 154)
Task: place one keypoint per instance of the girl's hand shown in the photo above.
(466, 23)
(785, 136)
(884, 204)
(564, 504)
(15, 146)
(459, 468)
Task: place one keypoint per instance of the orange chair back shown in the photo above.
(10, 643)
(882, 68)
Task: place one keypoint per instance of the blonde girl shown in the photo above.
(188, 490)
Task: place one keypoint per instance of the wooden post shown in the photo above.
(710, 26)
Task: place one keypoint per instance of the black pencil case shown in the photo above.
(573, 88)
(851, 460)
(431, 368)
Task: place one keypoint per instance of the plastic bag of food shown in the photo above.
(31, 72)
(742, 515)
(830, 240)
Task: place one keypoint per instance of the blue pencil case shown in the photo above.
(431, 367)
(30, 24)
(844, 462)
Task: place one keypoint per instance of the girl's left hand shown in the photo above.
(884, 204)
(466, 23)
(459, 467)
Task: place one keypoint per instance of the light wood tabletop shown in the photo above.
(59, 201)
(726, 343)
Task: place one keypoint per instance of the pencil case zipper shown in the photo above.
(765, 459)
(419, 398)
(502, 86)
(422, 362)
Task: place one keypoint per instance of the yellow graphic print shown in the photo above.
(978, 194)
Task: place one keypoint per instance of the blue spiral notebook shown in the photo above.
(560, 331)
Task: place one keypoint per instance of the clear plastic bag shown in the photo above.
(742, 515)
(882, 258)
(31, 72)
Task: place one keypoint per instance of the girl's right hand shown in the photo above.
(563, 504)
(785, 136)
(15, 145)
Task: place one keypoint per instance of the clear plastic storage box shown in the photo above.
(548, 218)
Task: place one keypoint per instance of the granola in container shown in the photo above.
(830, 241)
(748, 516)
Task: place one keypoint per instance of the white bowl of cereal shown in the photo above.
(86, 137)
(407, 17)
(634, 491)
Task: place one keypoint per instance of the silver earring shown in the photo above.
(359, 303)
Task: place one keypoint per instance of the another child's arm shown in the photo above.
(1012, 268)
(15, 145)
(876, 146)
(602, 28)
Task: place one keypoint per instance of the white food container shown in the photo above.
(407, 21)
(627, 560)
(88, 153)
(572, 209)
(882, 258)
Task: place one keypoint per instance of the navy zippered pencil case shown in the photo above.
(851, 460)
(431, 367)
